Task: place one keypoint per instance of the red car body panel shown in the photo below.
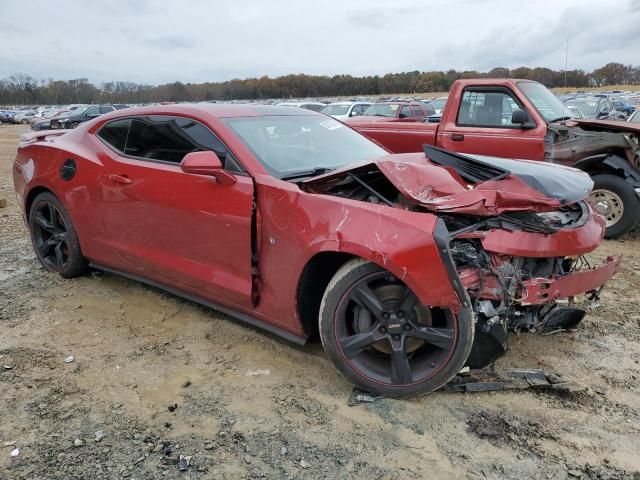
(540, 290)
(194, 235)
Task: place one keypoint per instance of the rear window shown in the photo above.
(115, 133)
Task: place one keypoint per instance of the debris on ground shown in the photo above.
(99, 435)
(257, 373)
(172, 407)
(488, 380)
(69, 359)
(360, 396)
(15, 452)
(184, 462)
(3, 203)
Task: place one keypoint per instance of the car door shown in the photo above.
(177, 228)
(483, 126)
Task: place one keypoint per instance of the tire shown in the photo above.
(24, 121)
(617, 201)
(54, 237)
(74, 125)
(429, 345)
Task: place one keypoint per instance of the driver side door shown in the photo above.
(179, 229)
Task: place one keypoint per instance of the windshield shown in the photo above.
(382, 110)
(547, 104)
(587, 107)
(287, 145)
(335, 110)
(438, 103)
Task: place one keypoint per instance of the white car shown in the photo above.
(315, 106)
(634, 117)
(24, 117)
(344, 110)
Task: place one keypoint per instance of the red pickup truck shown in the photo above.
(522, 119)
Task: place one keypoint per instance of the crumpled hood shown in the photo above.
(515, 185)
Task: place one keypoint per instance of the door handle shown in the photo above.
(457, 137)
(122, 179)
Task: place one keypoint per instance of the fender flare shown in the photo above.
(615, 163)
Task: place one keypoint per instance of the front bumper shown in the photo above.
(543, 290)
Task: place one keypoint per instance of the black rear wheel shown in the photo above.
(54, 237)
(379, 335)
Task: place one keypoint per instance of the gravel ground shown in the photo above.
(155, 378)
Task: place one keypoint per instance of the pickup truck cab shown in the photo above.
(522, 119)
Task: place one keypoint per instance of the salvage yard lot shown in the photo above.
(160, 377)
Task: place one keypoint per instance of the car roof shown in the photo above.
(217, 110)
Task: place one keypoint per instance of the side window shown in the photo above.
(486, 109)
(91, 112)
(169, 139)
(405, 112)
(418, 112)
(115, 133)
(106, 109)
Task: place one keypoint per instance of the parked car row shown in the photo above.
(61, 117)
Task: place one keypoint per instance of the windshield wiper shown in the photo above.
(560, 119)
(307, 173)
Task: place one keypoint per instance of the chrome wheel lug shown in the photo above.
(385, 315)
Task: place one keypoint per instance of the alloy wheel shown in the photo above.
(386, 335)
(50, 236)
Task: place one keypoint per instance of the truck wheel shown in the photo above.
(618, 203)
(379, 336)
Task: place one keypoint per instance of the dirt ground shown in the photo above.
(155, 377)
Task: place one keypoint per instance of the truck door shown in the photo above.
(482, 125)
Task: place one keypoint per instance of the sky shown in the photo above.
(160, 41)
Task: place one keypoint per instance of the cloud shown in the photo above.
(211, 40)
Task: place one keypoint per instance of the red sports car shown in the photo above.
(408, 267)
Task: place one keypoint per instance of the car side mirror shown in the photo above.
(519, 117)
(402, 115)
(206, 163)
(354, 113)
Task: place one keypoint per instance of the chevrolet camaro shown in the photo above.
(407, 267)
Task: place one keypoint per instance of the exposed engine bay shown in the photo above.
(508, 290)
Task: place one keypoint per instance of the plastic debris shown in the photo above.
(257, 373)
(514, 379)
(360, 396)
(15, 452)
(69, 359)
(184, 463)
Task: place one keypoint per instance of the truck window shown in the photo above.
(486, 109)
(405, 112)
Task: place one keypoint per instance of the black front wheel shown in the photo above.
(379, 335)
(54, 237)
(617, 201)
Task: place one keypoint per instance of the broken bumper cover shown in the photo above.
(543, 290)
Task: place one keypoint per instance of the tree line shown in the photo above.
(23, 89)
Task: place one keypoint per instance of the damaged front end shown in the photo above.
(517, 233)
